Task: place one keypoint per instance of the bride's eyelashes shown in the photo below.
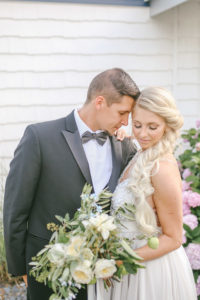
(138, 127)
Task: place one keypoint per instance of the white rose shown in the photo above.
(57, 254)
(82, 274)
(104, 224)
(105, 268)
(87, 254)
(73, 249)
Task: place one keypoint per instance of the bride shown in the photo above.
(152, 183)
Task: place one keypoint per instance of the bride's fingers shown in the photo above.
(121, 134)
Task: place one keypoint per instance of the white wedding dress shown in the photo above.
(169, 277)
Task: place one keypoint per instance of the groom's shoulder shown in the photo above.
(57, 123)
(48, 127)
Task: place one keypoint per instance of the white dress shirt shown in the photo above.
(99, 157)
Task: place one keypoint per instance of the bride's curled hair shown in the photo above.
(159, 101)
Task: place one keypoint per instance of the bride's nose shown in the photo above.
(143, 132)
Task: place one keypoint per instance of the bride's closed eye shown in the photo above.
(137, 126)
(150, 127)
(153, 128)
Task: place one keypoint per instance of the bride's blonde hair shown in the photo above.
(160, 102)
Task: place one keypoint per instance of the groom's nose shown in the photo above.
(124, 120)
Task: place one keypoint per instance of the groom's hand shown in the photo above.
(25, 279)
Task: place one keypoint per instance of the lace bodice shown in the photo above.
(122, 195)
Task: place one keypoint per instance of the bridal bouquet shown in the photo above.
(84, 249)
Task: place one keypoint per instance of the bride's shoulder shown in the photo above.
(168, 160)
(167, 169)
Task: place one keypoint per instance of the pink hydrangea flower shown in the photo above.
(186, 195)
(190, 220)
(198, 285)
(193, 253)
(195, 136)
(184, 239)
(193, 199)
(198, 123)
(186, 209)
(185, 185)
(197, 146)
(186, 173)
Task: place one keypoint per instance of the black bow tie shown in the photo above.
(100, 137)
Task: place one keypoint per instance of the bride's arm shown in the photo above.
(168, 201)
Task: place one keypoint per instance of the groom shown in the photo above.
(52, 163)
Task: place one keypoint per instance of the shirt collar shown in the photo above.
(82, 127)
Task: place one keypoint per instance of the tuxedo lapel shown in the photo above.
(72, 137)
(116, 163)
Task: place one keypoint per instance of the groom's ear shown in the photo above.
(100, 102)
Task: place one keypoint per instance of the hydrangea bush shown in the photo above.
(190, 170)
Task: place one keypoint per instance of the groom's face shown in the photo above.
(112, 117)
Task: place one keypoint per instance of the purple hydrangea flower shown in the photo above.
(185, 185)
(197, 146)
(198, 123)
(193, 253)
(186, 173)
(195, 136)
(193, 199)
(190, 220)
(186, 207)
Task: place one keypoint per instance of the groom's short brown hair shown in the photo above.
(112, 84)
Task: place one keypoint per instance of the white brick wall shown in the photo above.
(49, 52)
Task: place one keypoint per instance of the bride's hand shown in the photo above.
(121, 134)
(25, 279)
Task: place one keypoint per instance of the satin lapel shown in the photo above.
(116, 163)
(72, 137)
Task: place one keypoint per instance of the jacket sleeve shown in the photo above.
(20, 188)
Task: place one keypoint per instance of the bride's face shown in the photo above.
(148, 127)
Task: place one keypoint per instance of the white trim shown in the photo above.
(159, 6)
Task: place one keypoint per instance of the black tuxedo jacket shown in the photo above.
(46, 178)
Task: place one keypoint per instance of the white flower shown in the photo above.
(73, 249)
(87, 254)
(103, 223)
(57, 254)
(105, 268)
(82, 274)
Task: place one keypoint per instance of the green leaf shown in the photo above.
(59, 218)
(53, 296)
(129, 250)
(196, 232)
(130, 268)
(57, 273)
(197, 240)
(93, 281)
